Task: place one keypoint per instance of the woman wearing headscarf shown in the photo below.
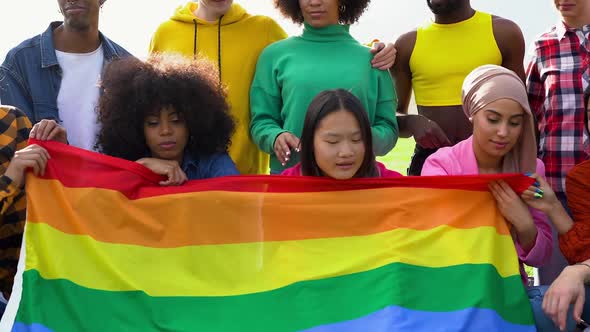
(503, 141)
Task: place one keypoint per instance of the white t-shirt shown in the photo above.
(78, 95)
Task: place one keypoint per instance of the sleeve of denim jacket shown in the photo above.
(14, 93)
(222, 165)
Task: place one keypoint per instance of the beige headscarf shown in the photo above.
(489, 83)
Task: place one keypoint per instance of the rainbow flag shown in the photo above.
(107, 249)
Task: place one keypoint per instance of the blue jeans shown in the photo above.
(542, 321)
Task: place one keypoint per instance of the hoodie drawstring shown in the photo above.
(218, 44)
(219, 47)
(195, 40)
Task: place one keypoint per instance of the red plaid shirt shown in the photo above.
(557, 74)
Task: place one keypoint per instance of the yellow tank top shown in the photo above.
(444, 54)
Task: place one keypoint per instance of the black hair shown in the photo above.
(349, 10)
(134, 89)
(327, 102)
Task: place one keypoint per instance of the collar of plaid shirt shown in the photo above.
(583, 33)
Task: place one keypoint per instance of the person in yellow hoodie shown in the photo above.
(226, 34)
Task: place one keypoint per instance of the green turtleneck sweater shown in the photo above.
(291, 72)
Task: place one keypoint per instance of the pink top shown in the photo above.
(460, 160)
(383, 171)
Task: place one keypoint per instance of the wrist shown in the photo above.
(274, 142)
(580, 271)
(526, 232)
(404, 122)
(560, 219)
(14, 176)
(524, 225)
(554, 209)
(416, 121)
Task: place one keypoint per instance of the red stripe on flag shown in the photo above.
(78, 168)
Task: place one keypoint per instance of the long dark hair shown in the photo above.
(327, 102)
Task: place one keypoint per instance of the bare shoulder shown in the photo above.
(511, 43)
(407, 39)
(405, 44)
(505, 28)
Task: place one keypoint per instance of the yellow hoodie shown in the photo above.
(233, 43)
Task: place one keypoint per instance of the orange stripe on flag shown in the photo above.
(223, 217)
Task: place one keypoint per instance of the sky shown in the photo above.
(132, 22)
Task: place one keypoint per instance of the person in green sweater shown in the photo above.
(291, 72)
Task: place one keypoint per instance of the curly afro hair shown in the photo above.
(132, 89)
(350, 10)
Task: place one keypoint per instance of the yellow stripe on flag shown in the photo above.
(255, 267)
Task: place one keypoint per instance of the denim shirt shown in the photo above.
(30, 76)
(206, 167)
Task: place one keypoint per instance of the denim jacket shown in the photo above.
(30, 76)
(206, 167)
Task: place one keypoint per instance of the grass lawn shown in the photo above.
(399, 158)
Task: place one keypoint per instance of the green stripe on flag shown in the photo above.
(63, 306)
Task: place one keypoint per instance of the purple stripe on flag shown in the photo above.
(395, 319)
(20, 327)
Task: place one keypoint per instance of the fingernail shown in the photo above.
(540, 191)
(536, 184)
(283, 164)
(288, 153)
(297, 149)
(537, 195)
(528, 174)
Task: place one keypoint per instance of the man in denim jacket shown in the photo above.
(55, 75)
